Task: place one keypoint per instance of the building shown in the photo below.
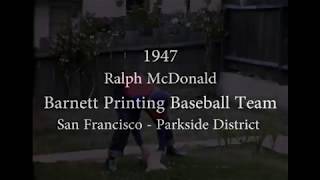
(50, 14)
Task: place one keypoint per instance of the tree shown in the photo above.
(78, 44)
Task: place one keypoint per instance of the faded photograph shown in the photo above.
(229, 61)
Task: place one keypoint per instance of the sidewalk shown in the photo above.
(281, 146)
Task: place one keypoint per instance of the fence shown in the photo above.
(189, 61)
(257, 36)
(257, 43)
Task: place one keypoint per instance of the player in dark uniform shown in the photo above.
(120, 137)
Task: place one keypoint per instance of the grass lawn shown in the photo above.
(47, 139)
(233, 163)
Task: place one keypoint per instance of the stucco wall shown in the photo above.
(198, 4)
(108, 8)
(103, 8)
(174, 6)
